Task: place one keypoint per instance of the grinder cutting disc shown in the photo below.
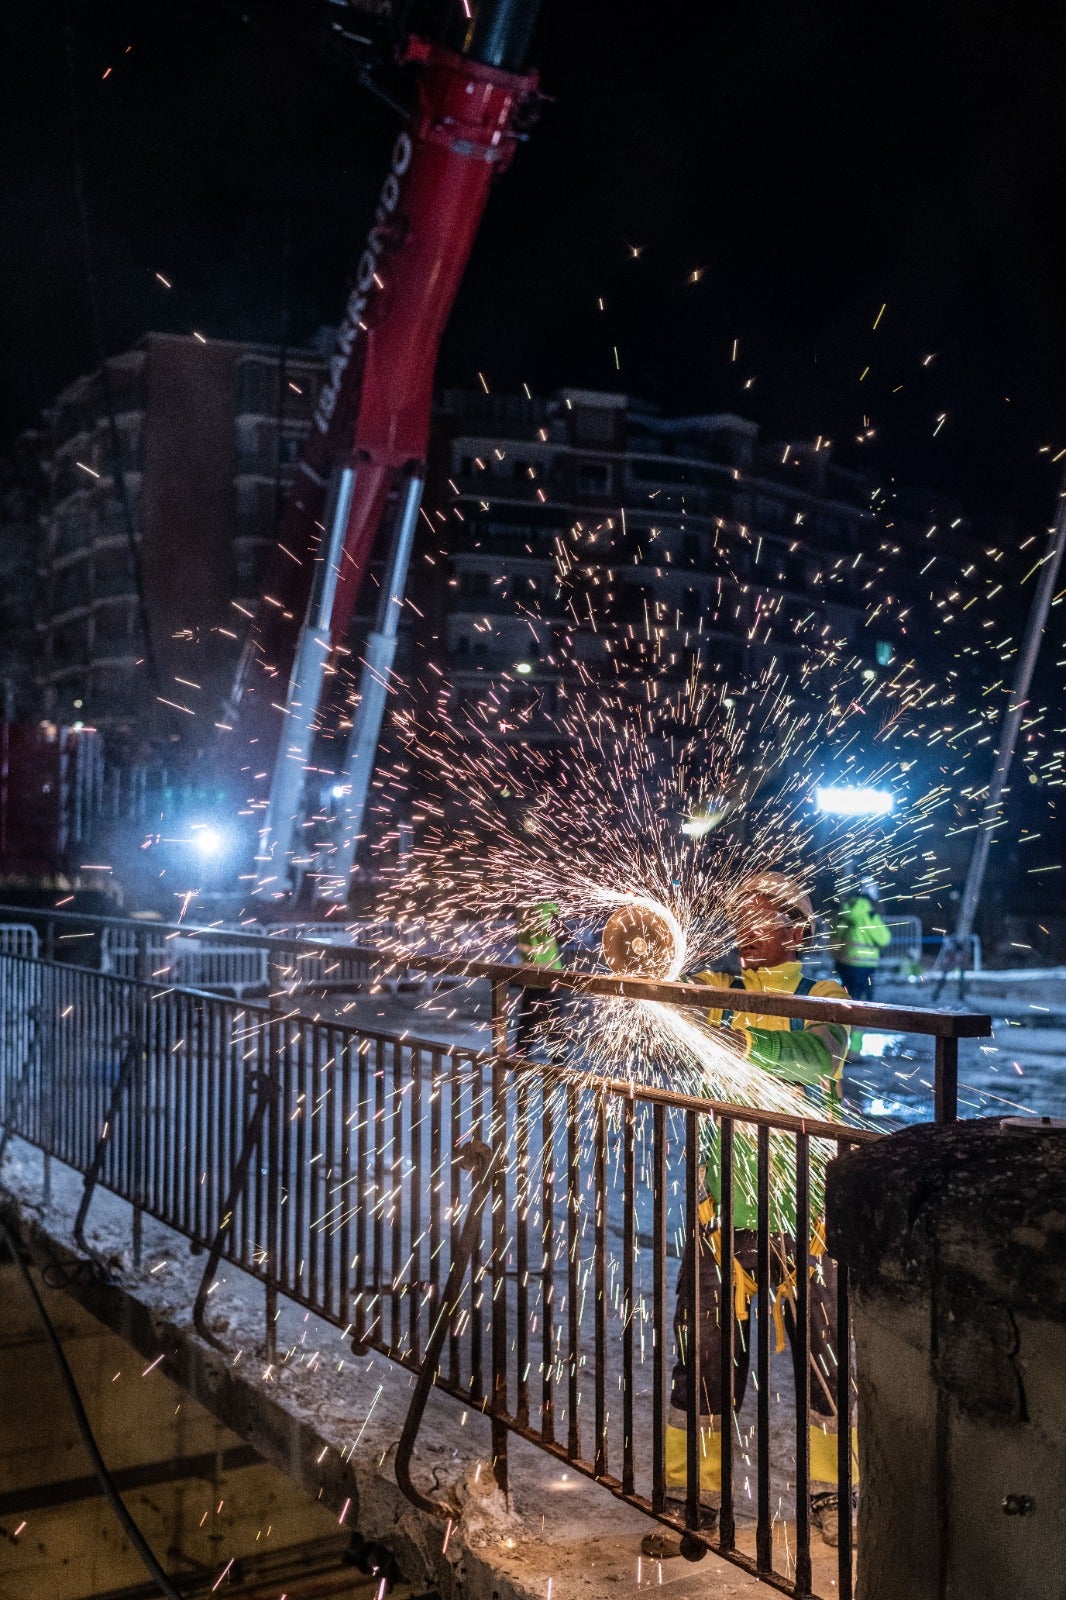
(640, 942)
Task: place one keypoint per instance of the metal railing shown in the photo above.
(330, 1163)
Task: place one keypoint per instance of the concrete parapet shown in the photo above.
(955, 1239)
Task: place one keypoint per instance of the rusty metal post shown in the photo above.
(946, 1080)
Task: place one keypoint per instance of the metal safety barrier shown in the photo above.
(19, 939)
(194, 961)
(525, 1236)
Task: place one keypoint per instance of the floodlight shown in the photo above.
(853, 802)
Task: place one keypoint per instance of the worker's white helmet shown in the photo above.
(784, 892)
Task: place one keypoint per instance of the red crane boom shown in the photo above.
(370, 433)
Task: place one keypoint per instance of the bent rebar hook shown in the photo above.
(481, 1161)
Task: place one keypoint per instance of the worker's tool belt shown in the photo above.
(745, 1287)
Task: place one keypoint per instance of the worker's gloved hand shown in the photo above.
(762, 1046)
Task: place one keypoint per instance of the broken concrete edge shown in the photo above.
(584, 1542)
(963, 1225)
(979, 1203)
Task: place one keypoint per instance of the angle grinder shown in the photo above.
(643, 940)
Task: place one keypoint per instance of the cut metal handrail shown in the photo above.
(357, 1215)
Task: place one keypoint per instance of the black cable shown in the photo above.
(129, 1526)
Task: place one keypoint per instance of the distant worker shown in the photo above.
(538, 933)
(772, 916)
(858, 936)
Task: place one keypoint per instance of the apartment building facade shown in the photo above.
(188, 450)
(691, 545)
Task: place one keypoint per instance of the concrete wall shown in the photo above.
(955, 1241)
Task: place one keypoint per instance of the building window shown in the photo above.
(592, 478)
(257, 388)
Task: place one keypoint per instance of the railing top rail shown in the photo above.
(469, 1057)
(646, 1093)
(697, 996)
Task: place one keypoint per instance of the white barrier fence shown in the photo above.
(186, 960)
(19, 939)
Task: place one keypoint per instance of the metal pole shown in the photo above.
(274, 863)
(1012, 723)
(501, 33)
(378, 657)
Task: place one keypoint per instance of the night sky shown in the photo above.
(811, 162)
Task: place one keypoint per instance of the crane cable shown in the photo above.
(129, 1526)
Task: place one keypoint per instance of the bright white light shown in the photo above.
(854, 802)
(338, 791)
(207, 841)
(697, 827)
(523, 667)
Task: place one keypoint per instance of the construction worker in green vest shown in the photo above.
(858, 936)
(538, 933)
(772, 917)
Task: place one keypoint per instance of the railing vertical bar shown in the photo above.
(416, 1120)
(234, 1116)
(478, 1130)
(727, 1528)
(363, 1275)
(187, 1153)
(629, 1252)
(454, 1202)
(522, 1253)
(265, 1068)
(195, 1064)
(693, 1322)
(599, 1180)
(191, 1080)
(396, 1196)
(803, 1575)
(121, 1148)
(764, 1530)
(659, 1333)
(843, 1407)
(573, 1265)
(345, 1193)
(324, 1220)
(216, 1101)
(436, 1180)
(500, 1211)
(290, 1089)
(306, 1130)
(314, 1110)
(547, 1266)
(277, 1058)
(376, 1275)
(136, 1111)
(173, 1132)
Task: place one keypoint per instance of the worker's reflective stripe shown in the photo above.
(796, 1024)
